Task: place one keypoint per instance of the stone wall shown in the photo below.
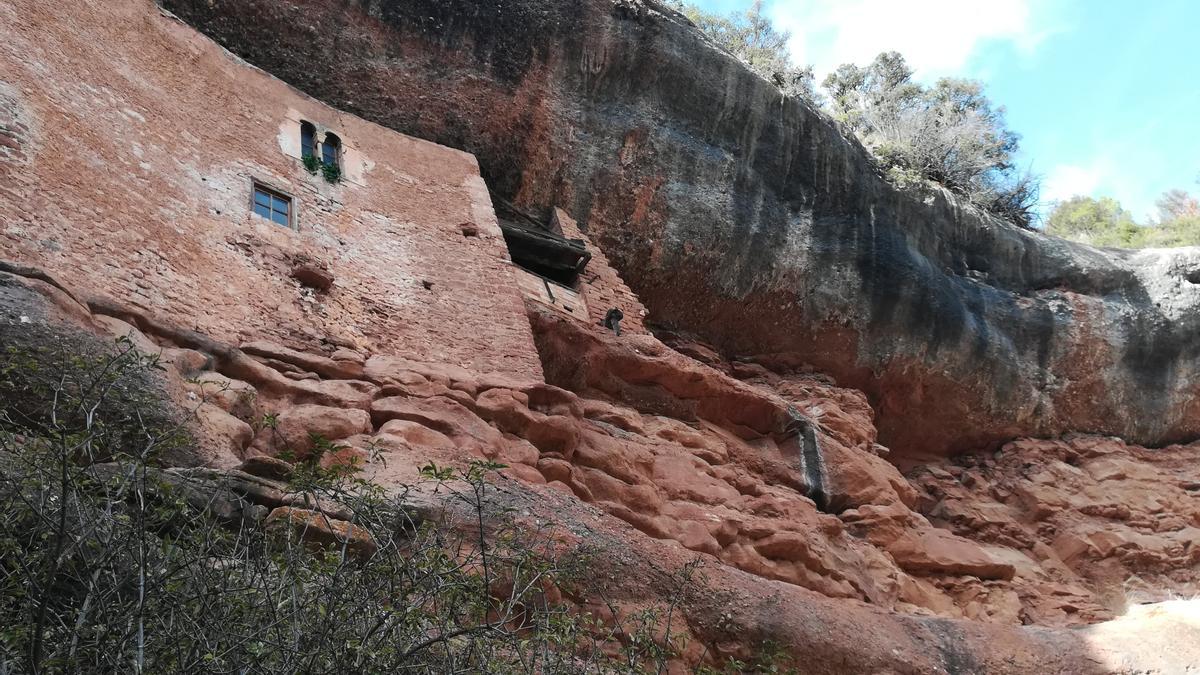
(128, 147)
(552, 294)
(600, 284)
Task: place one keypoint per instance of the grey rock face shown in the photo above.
(751, 220)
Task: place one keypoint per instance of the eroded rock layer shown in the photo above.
(726, 206)
(708, 461)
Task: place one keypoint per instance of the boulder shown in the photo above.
(265, 466)
(325, 366)
(222, 437)
(931, 552)
(320, 530)
(295, 429)
(235, 397)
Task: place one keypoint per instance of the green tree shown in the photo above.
(950, 133)
(752, 38)
(1103, 222)
(1100, 222)
(1179, 219)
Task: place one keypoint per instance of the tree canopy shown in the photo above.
(753, 38)
(949, 133)
(1103, 222)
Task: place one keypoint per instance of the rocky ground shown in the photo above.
(660, 455)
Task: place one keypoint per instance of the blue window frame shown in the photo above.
(330, 148)
(272, 205)
(308, 139)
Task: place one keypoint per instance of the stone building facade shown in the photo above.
(131, 151)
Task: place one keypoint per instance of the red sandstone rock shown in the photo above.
(322, 365)
(411, 435)
(314, 275)
(271, 383)
(294, 429)
(223, 438)
(1118, 526)
(932, 552)
(857, 478)
(441, 414)
(656, 379)
(235, 397)
(265, 466)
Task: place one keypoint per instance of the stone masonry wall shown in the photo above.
(128, 146)
(600, 284)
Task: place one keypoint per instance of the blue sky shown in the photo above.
(1105, 93)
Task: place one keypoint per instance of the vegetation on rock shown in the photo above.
(752, 38)
(949, 133)
(109, 563)
(1104, 222)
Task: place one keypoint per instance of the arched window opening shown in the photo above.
(308, 139)
(330, 149)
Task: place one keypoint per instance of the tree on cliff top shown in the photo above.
(753, 39)
(1100, 222)
(1103, 222)
(950, 133)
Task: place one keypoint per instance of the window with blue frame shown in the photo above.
(330, 149)
(272, 205)
(308, 139)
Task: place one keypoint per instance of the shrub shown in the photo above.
(110, 563)
(1104, 222)
(949, 133)
(753, 39)
(331, 172)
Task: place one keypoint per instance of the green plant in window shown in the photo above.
(312, 164)
(332, 172)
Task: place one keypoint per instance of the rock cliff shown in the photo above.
(726, 206)
(821, 341)
(652, 460)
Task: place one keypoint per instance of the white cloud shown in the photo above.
(1068, 180)
(1103, 176)
(936, 37)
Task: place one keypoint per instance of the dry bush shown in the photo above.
(111, 563)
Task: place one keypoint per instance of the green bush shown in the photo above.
(1103, 222)
(331, 172)
(109, 563)
(312, 164)
(949, 133)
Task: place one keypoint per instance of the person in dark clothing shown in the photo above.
(612, 320)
